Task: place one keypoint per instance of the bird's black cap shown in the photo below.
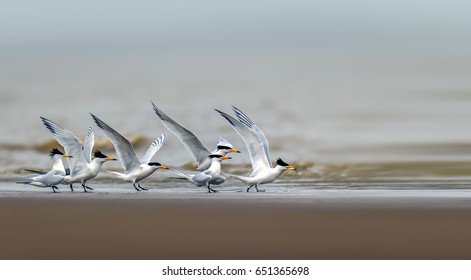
(215, 156)
(99, 154)
(280, 162)
(56, 151)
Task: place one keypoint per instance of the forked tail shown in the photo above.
(35, 171)
(117, 174)
(180, 174)
(24, 182)
(240, 178)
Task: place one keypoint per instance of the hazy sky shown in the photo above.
(214, 24)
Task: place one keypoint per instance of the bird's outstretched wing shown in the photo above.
(243, 118)
(88, 145)
(72, 145)
(123, 147)
(197, 150)
(255, 145)
(154, 147)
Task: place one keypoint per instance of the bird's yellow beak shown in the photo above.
(292, 168)
(163, 167)
(225, 157)
(110, 158)
(67, 156)
(234, 151)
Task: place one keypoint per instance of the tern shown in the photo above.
(134, 169)
(197, 150)
(82, 166)
(52, 178)
(257, 145)
(204, 178)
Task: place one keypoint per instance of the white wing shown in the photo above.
(197, 150)
(222, 142)
(154, 147)
(243, 118)
(70, 142)
(123, 147)
(49, 179)
(255, 145)
(88, 145)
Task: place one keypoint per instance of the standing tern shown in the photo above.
(52, 178)
(257, 145)
(197, 150)
(134, 169)
(204, 178)
(82, 166)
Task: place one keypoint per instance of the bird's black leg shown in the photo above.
(256, 187)
(144, 189)
(87, 187)
(211, 189)
(71, 187)
(54, 188)
(248, 189)
(84, 187)
(134, 185)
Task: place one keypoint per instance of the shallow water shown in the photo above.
(399, 195)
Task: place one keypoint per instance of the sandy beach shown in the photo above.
(285, 222)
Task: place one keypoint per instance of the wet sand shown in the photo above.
(283, 223)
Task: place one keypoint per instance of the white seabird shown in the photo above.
(257, 145)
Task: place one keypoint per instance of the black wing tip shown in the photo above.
(98, 122)
(243, 118)
(237, 111)
(159, 112)
(221, 112)
(45, 120)
(49, 124)
(156, 109)
(153, 105)
(226, 116)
